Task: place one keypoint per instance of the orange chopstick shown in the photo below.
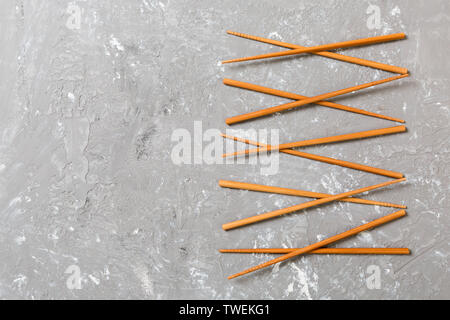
(293, 96)
(296, 104)
(325, 242)
(325, 140)
(300, 193)
(322, 250)
(342, 163)
(332, 55)
(280, 212)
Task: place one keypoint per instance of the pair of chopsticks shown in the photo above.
(298, 207)
(322, 50)
(342, 163)
(305, 101)
(325, 140)
(302, 100)
(293, 96)
(290, 253)
(299, 193)
(325, 47)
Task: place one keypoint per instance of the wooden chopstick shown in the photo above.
(325, 140)
(300, 193)
(322, 250)
(332, 55)
(342, 163)
(325, 242)
(293, 96)
(299, 103)
(309, 204)
(324, 47)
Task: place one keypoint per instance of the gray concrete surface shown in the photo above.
(91, 92)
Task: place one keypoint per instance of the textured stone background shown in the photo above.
(86, 176)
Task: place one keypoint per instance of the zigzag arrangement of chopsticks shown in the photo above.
(288, 148)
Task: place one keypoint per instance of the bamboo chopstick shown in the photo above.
(300, 193)
(325, 242)
(322, 250)
(311, 156)
(324, 47)
(299, 103)
(331, 139)
(309, 204)
(293, 96)
(332, 55)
